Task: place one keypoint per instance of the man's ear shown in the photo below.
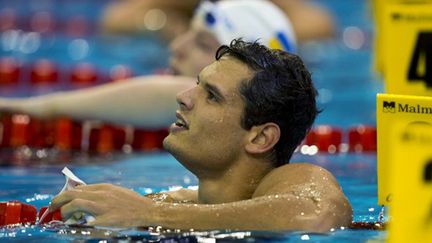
(262, 138)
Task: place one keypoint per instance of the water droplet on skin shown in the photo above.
(158, 229)
(305, 237)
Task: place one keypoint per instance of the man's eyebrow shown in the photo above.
(212, 88)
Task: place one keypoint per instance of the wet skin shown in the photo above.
(239, 188)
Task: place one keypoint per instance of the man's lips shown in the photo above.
(181, 121)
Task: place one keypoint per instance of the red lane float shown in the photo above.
(41, 133)
(8, 19)
(106, 139)
(56, 215)
(15, 212)
(6, 130)
(148, 140)
(44, 71)
(84, 74)
(9, 71)
(42, 22)
(77, 26)
(68, 134)
(362, 139)
(326, 138)
(20, 130)
(120, 73)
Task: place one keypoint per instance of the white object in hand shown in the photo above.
(71, 182)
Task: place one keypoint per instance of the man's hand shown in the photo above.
(110, 205)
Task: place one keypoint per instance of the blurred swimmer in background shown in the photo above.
(171, 17)
(149, 101)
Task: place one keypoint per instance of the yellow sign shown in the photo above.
(392, 109)
(408, 49)
(411, 182)
(379, 16)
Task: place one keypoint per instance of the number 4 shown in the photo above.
(420, 68)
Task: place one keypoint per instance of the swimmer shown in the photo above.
(171, 18)
(148, 101)
(236, 130)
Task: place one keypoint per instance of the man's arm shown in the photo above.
(310, 21)
(128, 16)
(177, 196)
(143, 102)
(297, 196)
(314, 204)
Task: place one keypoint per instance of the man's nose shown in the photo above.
(185, 99)
(179, 46)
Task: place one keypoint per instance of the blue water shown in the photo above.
(347, 96)
(156, 172)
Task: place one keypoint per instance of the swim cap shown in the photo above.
(251, 20)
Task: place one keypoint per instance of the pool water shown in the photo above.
(147, 173)
(342, 73)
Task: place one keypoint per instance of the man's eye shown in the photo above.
(211, 96)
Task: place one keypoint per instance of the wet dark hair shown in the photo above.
(281, 91)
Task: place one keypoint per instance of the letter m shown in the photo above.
(389, 106)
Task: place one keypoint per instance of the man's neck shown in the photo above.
(235, 184)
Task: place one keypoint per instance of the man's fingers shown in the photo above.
(95, 187)
(79, 206)
(61, 199)
(65, 197)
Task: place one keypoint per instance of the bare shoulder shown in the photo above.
(290, 176)
(315, 187)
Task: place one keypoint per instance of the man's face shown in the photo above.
(192, 51)
(207, 137)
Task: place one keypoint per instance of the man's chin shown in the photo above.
(166, 144)
(169, 144)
